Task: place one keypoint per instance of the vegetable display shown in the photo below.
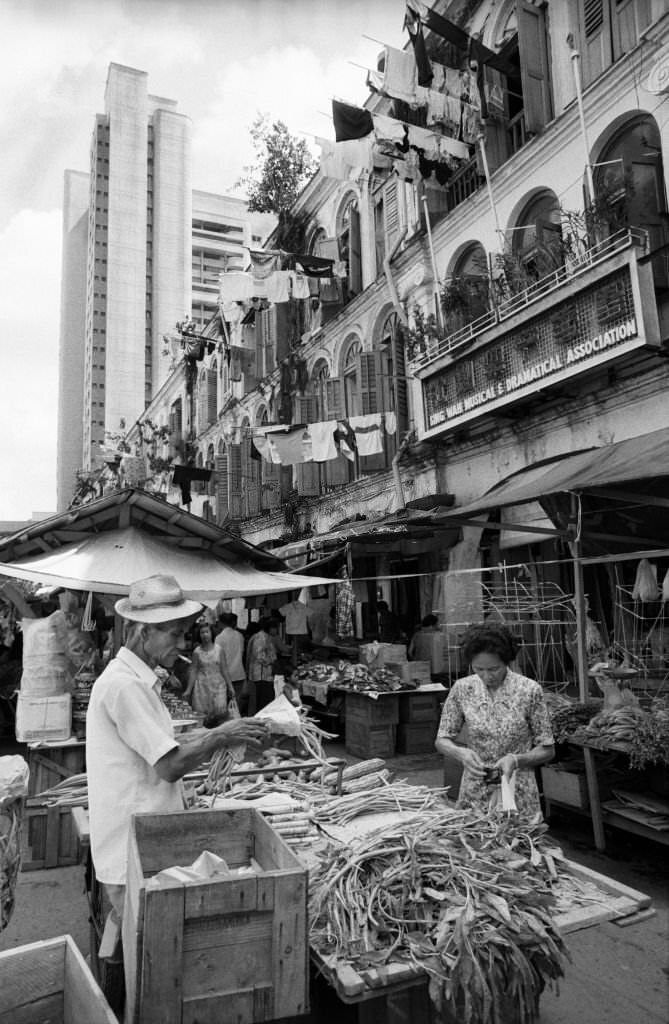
(465, 898)
(650, 743)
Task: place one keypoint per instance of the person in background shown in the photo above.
(134, 763)
(209, 685)
(231, 642)
(388, 626)
(508, 727)
(427, 626)
(261, 655)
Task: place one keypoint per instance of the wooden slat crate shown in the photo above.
(51, 764)
(363, 740)
(416, 737)
(419, 707)
(227, 948)
(50, 982)
(51, 841)
(384, 710)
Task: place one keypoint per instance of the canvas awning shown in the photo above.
(637, 458)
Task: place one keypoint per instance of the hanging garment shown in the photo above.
(277, 286)
(263, 444)
(390, 422)
(344, 605)
(399, 74)
(414, 27)
(388, 129)
(367, 430)
(262, 264)
(350, 122)
(345, 439)
(333, 161)
(323, 445)
(314, 266)
(293, 447)
(299, 285)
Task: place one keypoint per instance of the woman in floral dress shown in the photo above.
(209, 685)
(507, 723)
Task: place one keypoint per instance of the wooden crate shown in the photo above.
(51, 841)
(50, 982)
(419, 707)
(384, 710)
(51, 764)
(416, 737)
(233, 949)
(363, 740)
(564, 786)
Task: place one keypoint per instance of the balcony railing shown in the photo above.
(505, 308)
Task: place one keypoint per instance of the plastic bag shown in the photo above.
(645, 585)
(46, 666)
(14, 773)
(283, 717)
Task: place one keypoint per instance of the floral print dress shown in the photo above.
(509, 720)
(210, 690)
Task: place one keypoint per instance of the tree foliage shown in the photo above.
(282, 167)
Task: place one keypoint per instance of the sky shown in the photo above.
(224, 61)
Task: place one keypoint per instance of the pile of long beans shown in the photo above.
(392, 796)
(465, 898)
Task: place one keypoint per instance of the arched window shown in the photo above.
(250, 472)
(212, 395)
(536, 241)
(465, 295)
(351, 375)
(202, 401)
(350, 250)
(629, 190)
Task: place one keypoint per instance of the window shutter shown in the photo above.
(371, 380)
(595, 23)
(212, 405)
(282, 331)
(235, 481)
(250, 479)
(630, 18)
(270, 487)
(221, 482)
(391, 213)
(534, 67)
(401, 387)
(334, 399)
(307, 476)
(355, 255)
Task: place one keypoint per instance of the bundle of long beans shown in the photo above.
(392, 796)
(462, 897)
(72, 791)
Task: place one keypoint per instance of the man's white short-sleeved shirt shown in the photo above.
(128, 730)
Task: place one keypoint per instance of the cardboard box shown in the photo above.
(377, 655)
(50, 981)
(231, 948)
(413, 673)
(43, 719)
(565, 785)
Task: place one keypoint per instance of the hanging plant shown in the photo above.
(419, 337)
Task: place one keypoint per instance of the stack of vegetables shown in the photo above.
(567, 716)
(616, 727)
(465, 898)
(650, 743)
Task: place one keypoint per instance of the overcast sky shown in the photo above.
(223, 61)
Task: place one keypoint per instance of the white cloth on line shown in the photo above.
(236, 286)
(390, 420)
(367, 430)
(323, 445)
(399, 74)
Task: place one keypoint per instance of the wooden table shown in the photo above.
(602, 815)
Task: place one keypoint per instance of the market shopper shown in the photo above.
(209, 687)
(507, 724)
(231, 641)
(134, 763)
(261, 656)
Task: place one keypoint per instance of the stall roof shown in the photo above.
(106, 545)
(641, 458)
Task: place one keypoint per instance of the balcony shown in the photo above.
(505, 308)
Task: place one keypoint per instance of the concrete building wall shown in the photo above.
(126, 356)
(171, 244)
(72, 334)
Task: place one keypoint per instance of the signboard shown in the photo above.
(585, 330)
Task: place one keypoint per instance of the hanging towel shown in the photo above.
(399, 74)
(236, 286)
(350, 122)
(322, 441)
(299, 285)
(267, 450)
(367, 430)
(390, 422)
(293, 447)
(388, 129)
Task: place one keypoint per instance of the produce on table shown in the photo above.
(463, 897)
(616, 727)
(566, 718)
(349, 676)
(650, 742)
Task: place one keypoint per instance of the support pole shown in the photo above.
(579, 607)
(486, 171)
(575, 63)
(433, 261)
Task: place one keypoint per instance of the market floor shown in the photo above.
(618, 975)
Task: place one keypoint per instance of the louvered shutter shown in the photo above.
(401, 387)
(391, 213)
(251, 480)
(270, 475)
(371, 381)
(202, 401)
(307, 475)
(221, 482)
(630, 18)
(355, 255)
(212, 404)
(235, 485)
(595, 23)
(338, 471)
(534, 67)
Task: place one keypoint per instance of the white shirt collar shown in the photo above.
(145, 674)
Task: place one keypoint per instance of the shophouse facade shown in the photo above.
(543, 257)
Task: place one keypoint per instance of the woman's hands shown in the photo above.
(507, 765)
(472, 763)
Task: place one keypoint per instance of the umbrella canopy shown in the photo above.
(109, 562)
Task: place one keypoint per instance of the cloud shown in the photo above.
(30, 256)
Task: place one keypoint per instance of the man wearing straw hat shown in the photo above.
(133, 762)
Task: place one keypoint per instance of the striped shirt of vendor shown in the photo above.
(128, 730)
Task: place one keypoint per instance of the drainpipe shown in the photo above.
(399, 490)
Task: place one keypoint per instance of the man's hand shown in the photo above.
(250, 731)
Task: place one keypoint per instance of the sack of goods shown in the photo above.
(46, 666)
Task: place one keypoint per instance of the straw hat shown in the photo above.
(156, 599)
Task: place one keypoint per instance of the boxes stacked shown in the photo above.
(232, 947)
(413, 673)
(52, 841)
(418, 723)
(377, 655)
(371, 724)
(43, 719)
